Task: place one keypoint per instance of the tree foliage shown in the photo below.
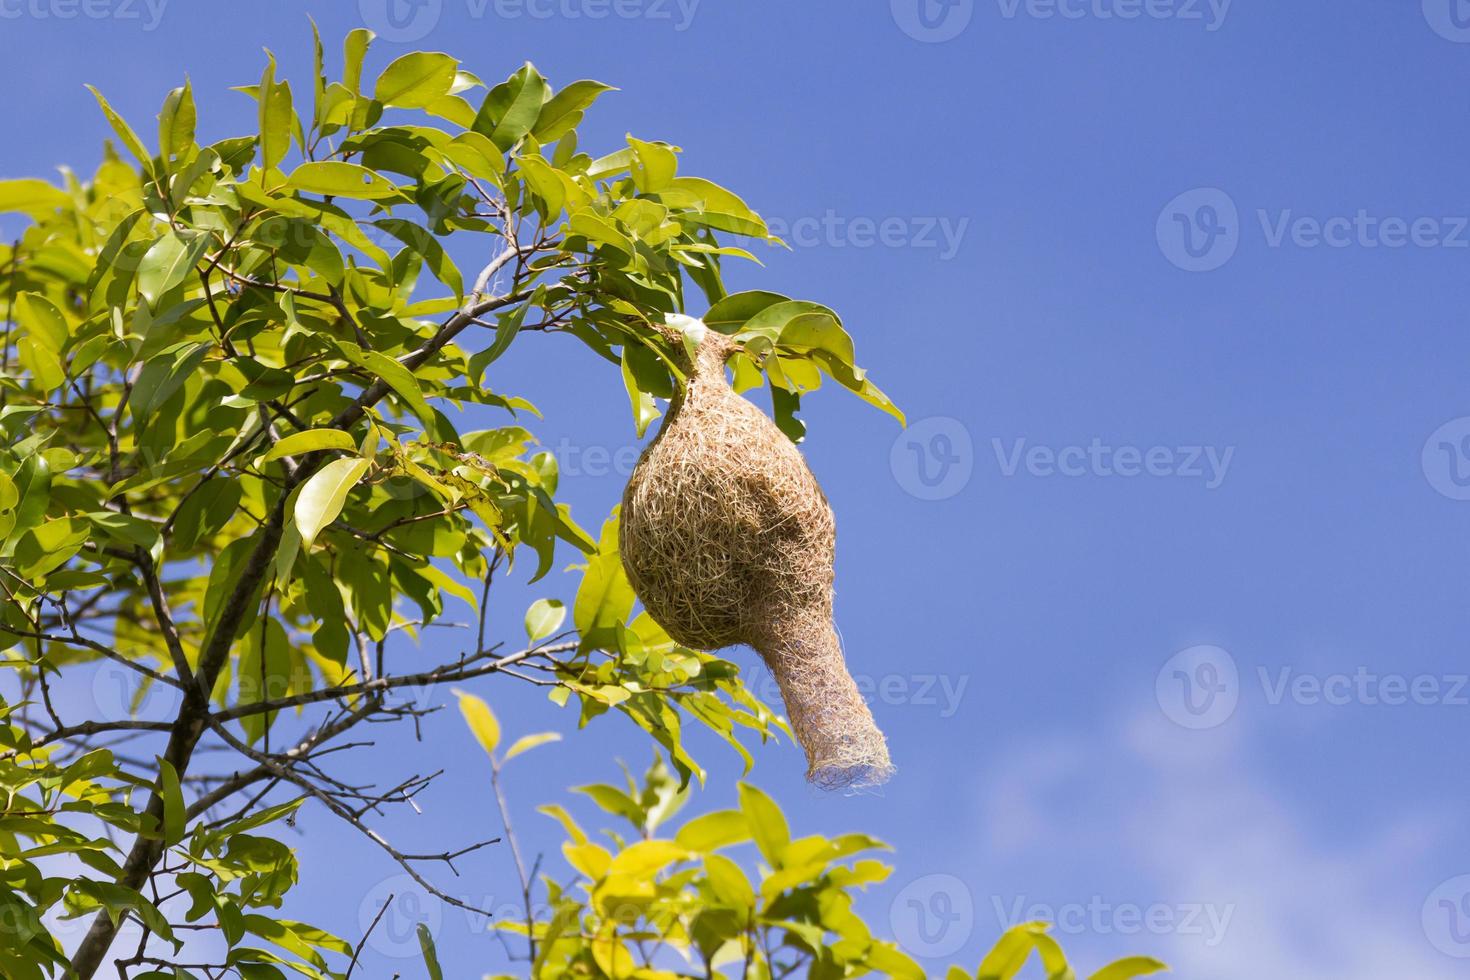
(645, 901)
(252, 447)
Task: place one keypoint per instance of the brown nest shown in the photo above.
(728, 539)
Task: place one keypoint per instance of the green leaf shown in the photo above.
(564, 110)
(785, 404)
(429, 249)
(729, 882)
(276, 116)
(512, 108)
(546, 183)
(1126, 969)
(116, 900)
(124, 132)
(645, 409)
(561, 816)
(167, 262)
(415, 80)
(30, 196)
(173, 803)
(714, 830)
(310, 441)
(608, 166)
(124, 527)
(544, 618)
(162, 375)
(44, 367)
(395, 375)
(337, 179)
(43, 320)
(654, 165)
(481, 719)
(48, 547)
(1009, 955)
(615, 801)
(713, 206)
(33, 493)
(176, 123)
(353, 50)
(596, 229)
(321, 497)
(767, 824)
(1053, 960)
(506, 328)
(528, 742)
(475, 154)
(642, 860)
(431, 956)
(730, 314)
(604, 597)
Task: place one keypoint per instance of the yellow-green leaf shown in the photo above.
(481, 719)
(124, 131)
(767, 824)
(415, 80)
(711, 831)
(322, 496)
(312, 440)
(544, 618)
(1126, 969)
(338, 179)
(528, 742)
(173, 803)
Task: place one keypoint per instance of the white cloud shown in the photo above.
(1186, 813)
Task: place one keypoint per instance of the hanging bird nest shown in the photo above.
(728, 539)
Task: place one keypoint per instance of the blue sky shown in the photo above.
(1208, 710)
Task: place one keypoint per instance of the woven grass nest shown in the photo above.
(728, 539)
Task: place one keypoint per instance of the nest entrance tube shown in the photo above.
(728, 539)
